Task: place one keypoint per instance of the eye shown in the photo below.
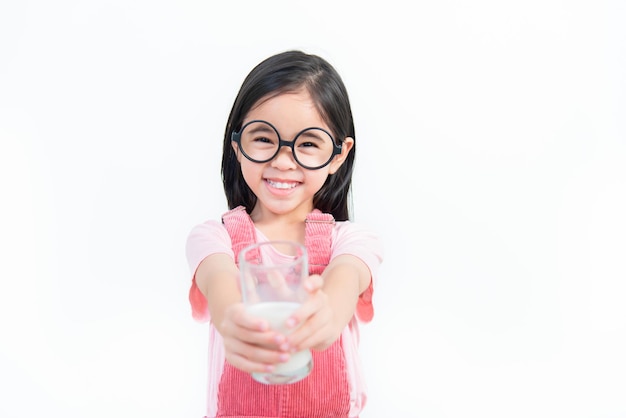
(259, 134)
(308, 144)
(312, 139)
(263, 139)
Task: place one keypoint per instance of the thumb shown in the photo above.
(313, 283)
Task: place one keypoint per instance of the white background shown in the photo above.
(491, 159)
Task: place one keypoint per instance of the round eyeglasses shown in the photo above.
(312, 148)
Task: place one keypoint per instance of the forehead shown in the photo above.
(289, 112)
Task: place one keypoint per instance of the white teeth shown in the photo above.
(280, 185)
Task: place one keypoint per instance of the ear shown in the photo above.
(346, 146)
(236, 149)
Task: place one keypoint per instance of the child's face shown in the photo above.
(282, 186)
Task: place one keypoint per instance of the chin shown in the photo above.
(287, 209)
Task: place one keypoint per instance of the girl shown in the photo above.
(287, 164)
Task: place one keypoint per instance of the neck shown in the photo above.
(289, 226)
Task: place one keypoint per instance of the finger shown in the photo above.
(308, 334)
(279, 284)
(269, 339)
(239, 317)
(313, 283)
(311, 324)
(248, 365)
(316, 301)
(253, 358)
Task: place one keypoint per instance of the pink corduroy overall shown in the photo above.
(325, 393)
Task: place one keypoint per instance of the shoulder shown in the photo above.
(357, 239)
(209, 229)
(350, 231)
(207, 238)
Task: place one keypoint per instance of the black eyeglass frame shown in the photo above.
(236, 137)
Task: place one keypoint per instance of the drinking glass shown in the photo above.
(272, 275)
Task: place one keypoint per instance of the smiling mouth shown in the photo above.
(281, 185)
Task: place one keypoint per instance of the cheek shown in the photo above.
(252, 173)
(317, 181)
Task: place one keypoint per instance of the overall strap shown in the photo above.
(241, 230)
(317, 240)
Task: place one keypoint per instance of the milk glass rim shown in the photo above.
(297, 258)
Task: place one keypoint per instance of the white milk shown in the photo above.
(275, 313)
(300, 363)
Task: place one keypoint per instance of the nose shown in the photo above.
(284, 160)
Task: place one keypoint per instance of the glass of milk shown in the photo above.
(272, 274)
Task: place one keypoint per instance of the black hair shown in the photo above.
(288, 72)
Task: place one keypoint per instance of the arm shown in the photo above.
(249, 344)
(332, 303)
(216, 277)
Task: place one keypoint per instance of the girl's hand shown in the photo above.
(249, 343)
(313, 321)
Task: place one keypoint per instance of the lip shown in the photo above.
(281, 186)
